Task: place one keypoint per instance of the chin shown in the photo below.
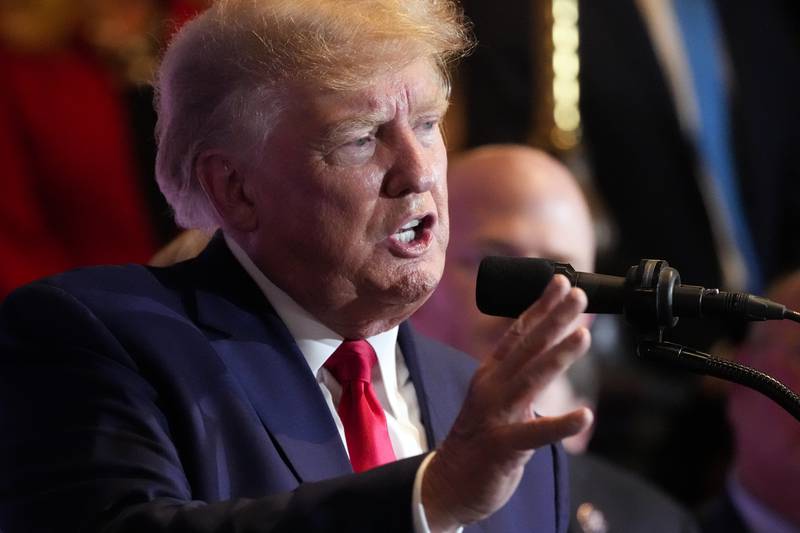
(415, 288)
(408, 288)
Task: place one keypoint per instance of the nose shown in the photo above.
(413, 168)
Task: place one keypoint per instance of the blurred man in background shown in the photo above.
(505, 200)
(516, 201)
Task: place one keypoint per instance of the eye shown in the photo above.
(363, 141)
(355, 152)
(427, 129)
(428, 124)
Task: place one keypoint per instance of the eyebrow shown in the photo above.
(364, 121)
(370, 119)
(437, 104)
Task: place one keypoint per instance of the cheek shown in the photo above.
(347, 195)
(443, 211)
(440, 180)
(439, 194)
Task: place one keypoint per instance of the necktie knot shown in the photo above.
(352, 361)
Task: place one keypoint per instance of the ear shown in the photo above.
(227, 191)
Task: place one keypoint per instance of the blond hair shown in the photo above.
(220, 82)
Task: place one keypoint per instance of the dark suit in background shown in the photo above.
(642, 164)
(176, 400)
(645, 168)
(603, 493)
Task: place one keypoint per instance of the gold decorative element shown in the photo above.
(566, 130)
(556, 121)
(591, 519)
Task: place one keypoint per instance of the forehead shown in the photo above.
(414, 88)
(546, 230)
(518, 217)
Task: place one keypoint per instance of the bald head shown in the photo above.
(504, 200)
(514, 200)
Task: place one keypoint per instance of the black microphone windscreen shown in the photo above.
(506, 286)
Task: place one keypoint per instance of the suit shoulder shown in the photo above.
(76, 299)
(89, 283)
(124, 279)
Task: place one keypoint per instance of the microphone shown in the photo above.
(650, 294)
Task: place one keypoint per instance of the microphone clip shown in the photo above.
(648, 288)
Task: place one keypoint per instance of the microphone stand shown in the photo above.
(651, 285)
(702, 363)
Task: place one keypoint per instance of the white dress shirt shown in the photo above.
(390, 378)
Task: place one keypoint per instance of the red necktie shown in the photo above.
(359, 409)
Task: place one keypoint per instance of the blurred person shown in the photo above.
(273, 383)
(691, 137)
(763, 490)
(648, 161)
(659, 120)
(506, 200)
(71, 193)
(516, 200)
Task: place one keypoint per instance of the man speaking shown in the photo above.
(272, 384)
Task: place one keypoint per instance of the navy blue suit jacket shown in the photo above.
(151, 400)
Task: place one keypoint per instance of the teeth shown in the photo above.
(405, 236)
(406, 233)
(412, 224)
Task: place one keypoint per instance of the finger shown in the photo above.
(553, 294)
(538, 372)
(556, 326)
(524, 436)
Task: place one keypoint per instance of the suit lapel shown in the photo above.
(409, 349)
(261, 354)
(438, 392)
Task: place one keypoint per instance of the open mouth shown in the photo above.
(414, 230)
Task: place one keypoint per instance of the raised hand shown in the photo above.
(480, 463)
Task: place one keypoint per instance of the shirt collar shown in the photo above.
(758, 517)
(316, 341)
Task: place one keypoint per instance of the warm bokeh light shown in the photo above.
(566, 67)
